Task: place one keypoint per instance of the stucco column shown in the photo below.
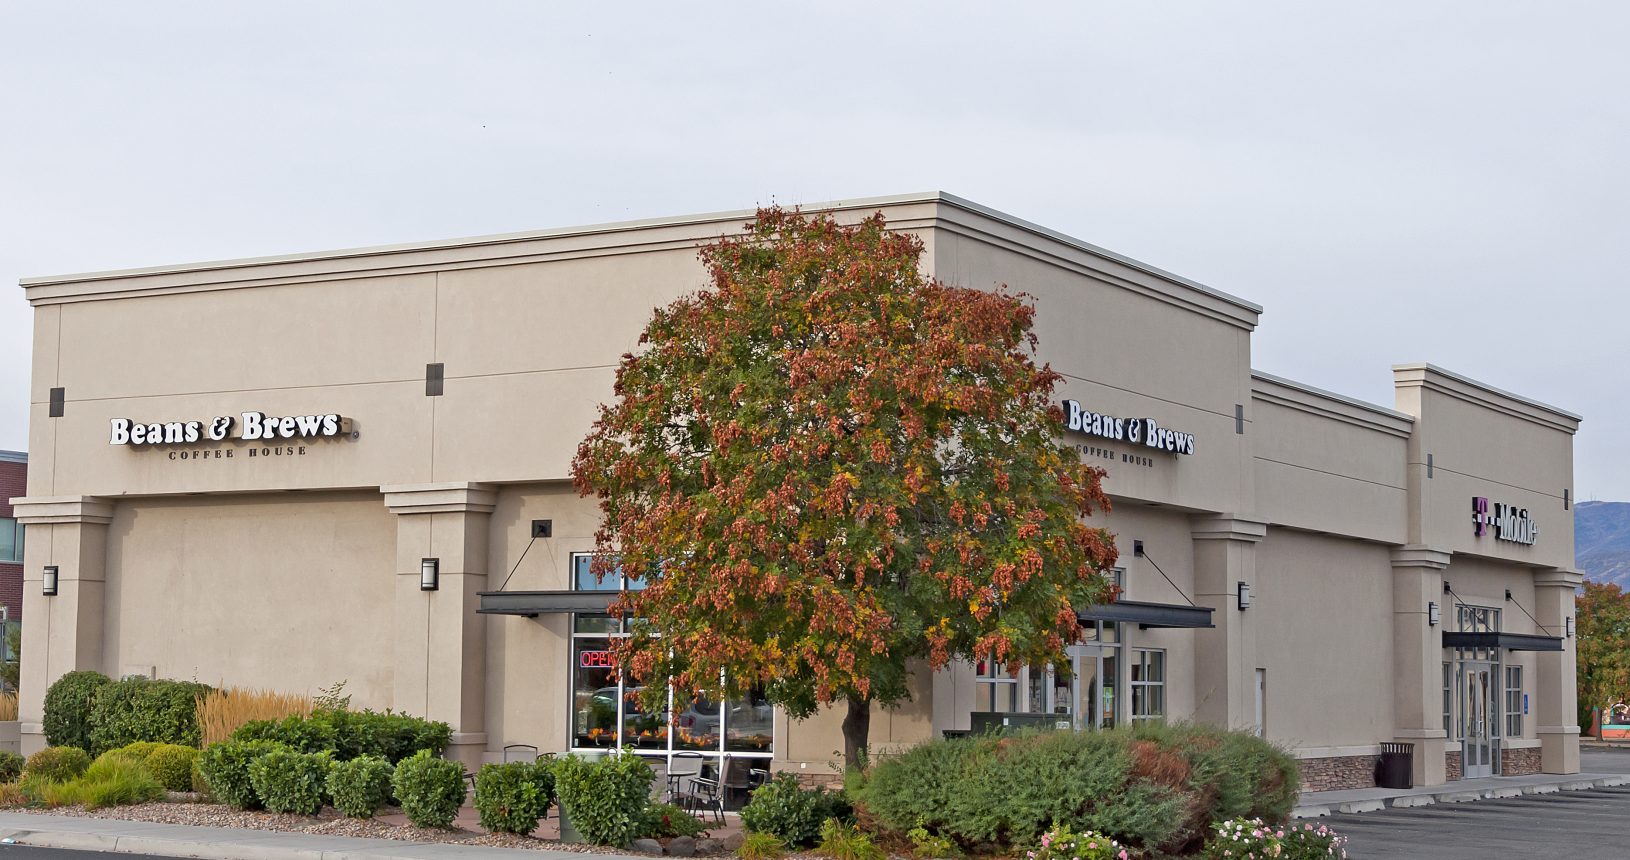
(1225, 661)
(63, 632)
(1417, 658)
(441, 643)
(1557, 710)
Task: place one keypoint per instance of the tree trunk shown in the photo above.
(857, 726)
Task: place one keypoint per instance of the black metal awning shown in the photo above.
(534, 603)
(1508, 641)
(1147, 615)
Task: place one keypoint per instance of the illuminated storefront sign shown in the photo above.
(1509, 522)
(1139, 431)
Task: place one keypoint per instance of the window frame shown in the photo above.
(17, 530)
(1139, 685)
(1512, 700)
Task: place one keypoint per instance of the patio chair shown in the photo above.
(683, 769)
(520, 752)
(735, 775)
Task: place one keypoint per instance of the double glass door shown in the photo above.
(1097, 683)
(1479, 710)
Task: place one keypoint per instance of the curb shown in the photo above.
(1405, 801)
(238, 850)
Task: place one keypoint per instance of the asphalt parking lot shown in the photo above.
(1593, 823)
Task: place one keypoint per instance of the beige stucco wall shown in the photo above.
(1327, 604)
(286, 592)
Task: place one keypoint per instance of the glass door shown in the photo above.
(1477, 709)
(1095, 685)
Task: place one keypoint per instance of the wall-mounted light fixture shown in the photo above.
(48, 581)
(1569, 624)
(1434, 614)
(1137, 549)
(1243, 592)
(429, 574)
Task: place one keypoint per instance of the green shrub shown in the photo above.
(58, 764)
(138, 751)
(760, 846)
(225, 769)
(1155, 788)
(429, 789)
(348, 734)
(795, 815)
(115, 782)
(841, 841)
(663, 820)
(67, 721)
(172, 766)
(289, 781)
(360, 786)
(512, 797)
(141, 709)
(604, 799)
(11, 766)
(930, 847)
(1244, 838)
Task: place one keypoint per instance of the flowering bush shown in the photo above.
(1250, 839)
(1060, 843)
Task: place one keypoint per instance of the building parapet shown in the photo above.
(1434, 378)
(1326, 404)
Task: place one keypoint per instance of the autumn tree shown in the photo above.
(829, 469)
(1602, 631)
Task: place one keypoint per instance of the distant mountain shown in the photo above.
(1601, 541)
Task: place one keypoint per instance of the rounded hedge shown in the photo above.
(289, 781)
(510, 798)
(68, 701)
(360, 786)
(429, 789)
(58, 764)
(142, 709)
(791, 813)
(225, 769)
(172, 766)
(604, 799)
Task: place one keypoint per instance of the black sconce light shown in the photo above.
(429, 574)
(1434, 614)
(1243, 593)
(48, 581)
(1137, 549)
(1569, 624)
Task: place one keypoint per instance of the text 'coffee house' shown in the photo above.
(1333, 574)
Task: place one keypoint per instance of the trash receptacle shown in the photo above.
(1396, 769)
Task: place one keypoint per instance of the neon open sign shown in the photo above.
(596, 660)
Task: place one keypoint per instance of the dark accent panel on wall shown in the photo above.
(433, 376)
(59, 398)
(1239, 418)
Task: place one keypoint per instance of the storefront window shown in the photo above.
(996, 687)
(1448, 700)
(1513, 701)
(1148, 683)
(11, 540)
(606, 710)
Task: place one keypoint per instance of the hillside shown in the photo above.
(1601, 541)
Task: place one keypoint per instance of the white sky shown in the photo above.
(1394, 181)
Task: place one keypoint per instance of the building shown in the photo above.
(249, 471)
(13, 482)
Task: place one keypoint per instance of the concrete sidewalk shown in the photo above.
(231, 843)
(1315, 804)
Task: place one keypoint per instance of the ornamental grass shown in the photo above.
(8, 706)
(221, 712)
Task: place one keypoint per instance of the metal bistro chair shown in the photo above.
(736, 775)
(520, 752)
(683, 770)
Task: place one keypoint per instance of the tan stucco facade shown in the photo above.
(295, 563)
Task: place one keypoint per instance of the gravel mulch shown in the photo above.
(327, 823)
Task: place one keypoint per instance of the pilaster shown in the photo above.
(64, 632)
(1225, 655)
(1417, 658)
(440, 639)
(1557, 694)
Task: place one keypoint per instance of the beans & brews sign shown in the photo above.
(269, 431)
(1141, 431)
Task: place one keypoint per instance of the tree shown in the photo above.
(829, 467)
(1602, 630)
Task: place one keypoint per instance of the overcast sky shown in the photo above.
(1393, 181)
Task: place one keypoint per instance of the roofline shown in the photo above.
(623, 226)
(1370, 414)
(1425, 368)
(13, 456)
